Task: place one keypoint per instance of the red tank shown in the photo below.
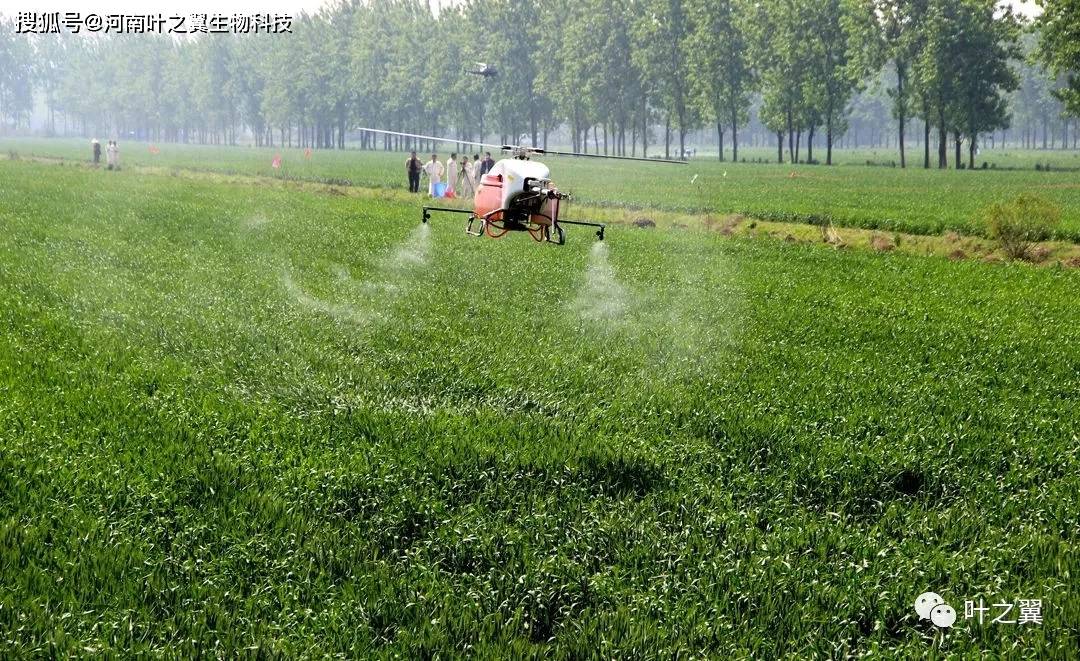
(489, 196)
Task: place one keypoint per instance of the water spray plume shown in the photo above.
(601, 298)
(377, 294)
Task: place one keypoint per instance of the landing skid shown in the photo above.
(553, 233)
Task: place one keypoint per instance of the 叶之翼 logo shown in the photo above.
(930, 606)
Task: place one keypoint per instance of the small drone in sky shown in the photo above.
(483, 69)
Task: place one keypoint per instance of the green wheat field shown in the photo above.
(239, 419)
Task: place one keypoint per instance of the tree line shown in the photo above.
(635, 76)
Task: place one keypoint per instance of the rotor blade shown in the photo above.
(434, 138)
(537, 150)
(533, 150)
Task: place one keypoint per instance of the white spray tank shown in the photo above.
(514, 172)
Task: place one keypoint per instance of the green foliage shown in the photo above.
(16, 74)
(241, 420)
(1021, 222)
(593, 66)
(1060, 47)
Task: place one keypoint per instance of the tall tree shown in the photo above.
(572, 79)
(663, 31)
(619, 81)
(990, 42)
(511, 29)
(16, 70)
(835, 73)
(781, 32)
(891, 30)
(1060, 47)
(720, 65)
(937, 68)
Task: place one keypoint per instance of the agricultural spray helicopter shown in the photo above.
(517, 194)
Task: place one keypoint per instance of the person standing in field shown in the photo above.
(487, 163)
(413, 166)
(96, 146)
(434, 170)
(466, 177)
(476, 170)
(452, 173)
(110, 155)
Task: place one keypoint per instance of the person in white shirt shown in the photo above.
(466, 177)
(452, 174)
(112, 156)
(434, 171)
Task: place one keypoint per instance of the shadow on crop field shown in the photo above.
(623, 476)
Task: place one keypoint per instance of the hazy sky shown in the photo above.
(10, 7)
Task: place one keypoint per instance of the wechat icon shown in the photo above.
(930, 606)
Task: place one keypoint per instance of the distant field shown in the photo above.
(238, 418)
(1008, 158)
(912, 200)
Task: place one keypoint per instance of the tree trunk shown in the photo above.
(901, 106)
(720, 139)
(942, 150)
(779, 146)
(734, 135)
(791, 136)
(667, 138)
(810, 146)
(958, 139)
(971, 153)
(644, 127)
(644, 134)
